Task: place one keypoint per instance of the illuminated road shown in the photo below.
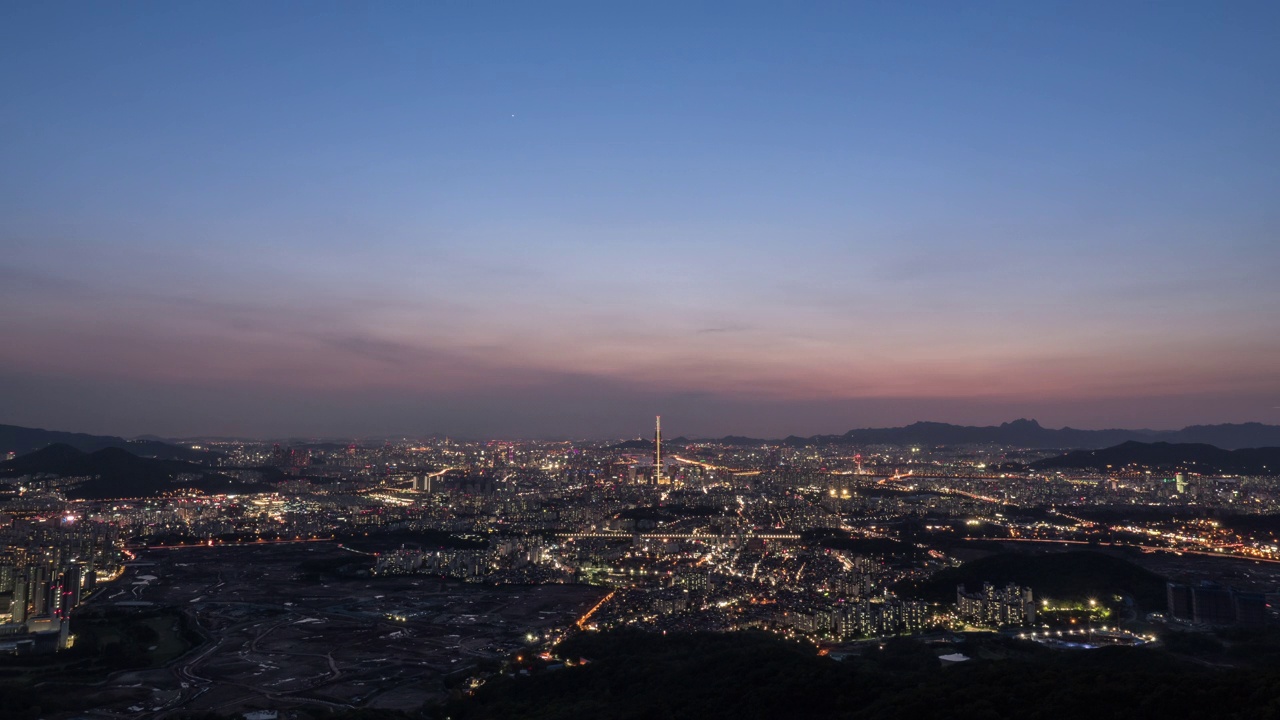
(582, 621)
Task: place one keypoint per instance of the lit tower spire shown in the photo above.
(657, 449)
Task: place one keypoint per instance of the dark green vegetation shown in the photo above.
(33, 686)
(1255, 647)
(1115, 515)
(312, 714)
(669, 512)
(884, 492)
(1189, 457)
(745, 676)
(839, 540)
(637, 444)
(417, 539)
(132, 638)
(117, 473)
(1069, 576)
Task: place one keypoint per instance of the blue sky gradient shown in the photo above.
(558, 219)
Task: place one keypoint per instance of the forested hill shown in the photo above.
(23, 440)
(1188, 457)
(747, 676)
(116, 473)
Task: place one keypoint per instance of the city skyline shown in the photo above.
(273, 219)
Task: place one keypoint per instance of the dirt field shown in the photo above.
(284, 638)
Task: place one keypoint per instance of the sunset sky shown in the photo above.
(535, 219)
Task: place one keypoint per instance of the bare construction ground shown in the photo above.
(284, 638)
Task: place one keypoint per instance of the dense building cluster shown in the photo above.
(996, 606)
(824, 541)
(47, 567)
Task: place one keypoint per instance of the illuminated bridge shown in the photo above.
(709, 537)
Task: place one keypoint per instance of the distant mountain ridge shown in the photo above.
(1189, 457)
(637, 444)
(1020, 433)
(22, 440)
(1030, 434)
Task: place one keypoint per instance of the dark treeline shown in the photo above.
(745, 676)
(1076, 575)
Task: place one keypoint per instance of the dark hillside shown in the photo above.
(1062, 576)
(1189, 457)
(114, 472)
(23, 440)
(745, 676)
